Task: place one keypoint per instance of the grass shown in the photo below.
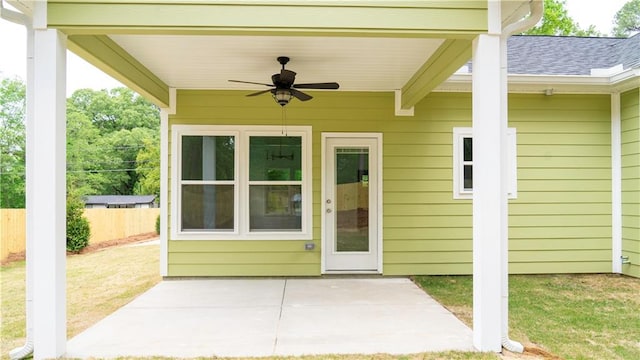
(572, 316)
(97, 284)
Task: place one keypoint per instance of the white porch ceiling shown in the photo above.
(208, 62)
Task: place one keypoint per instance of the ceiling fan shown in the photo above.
(283, 88)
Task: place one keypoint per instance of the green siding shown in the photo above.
(332, 18)
(561, 221)
(630, 125)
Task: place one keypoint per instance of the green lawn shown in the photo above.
(97, 284)
(571, 316)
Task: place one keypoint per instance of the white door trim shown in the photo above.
(378, 138)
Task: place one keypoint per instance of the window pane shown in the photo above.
(207, 207)
(275, 158)
(276, 208)
(352, 200)
(468, 177)
(208, 157)
(468, 149)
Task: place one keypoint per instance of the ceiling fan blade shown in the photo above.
(260, 92)
(327, 85)
(287, 77)
(300, 95)
(249, 82)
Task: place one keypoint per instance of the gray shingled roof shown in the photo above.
(630, 52)
(119, 199)
(568, 55)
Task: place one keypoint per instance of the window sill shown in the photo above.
(469, 196)
(203, 236)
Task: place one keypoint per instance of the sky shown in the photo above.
(80, 74)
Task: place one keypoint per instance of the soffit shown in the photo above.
(209, 61)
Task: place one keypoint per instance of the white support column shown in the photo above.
(164, 181)
(616, 185)
(164, 193)
(489, 191)
(29, 199)
(46, 192)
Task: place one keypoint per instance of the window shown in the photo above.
(463, 163)
(241, 183)
(207, 183)
(275, 183)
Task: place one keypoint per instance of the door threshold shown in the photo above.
(351, 272)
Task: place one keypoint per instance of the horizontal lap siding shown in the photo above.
(559, 223)
(327, 112)
(561, 220)
(630, 125)
(426, 231)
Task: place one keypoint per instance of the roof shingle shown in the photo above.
(569, 55)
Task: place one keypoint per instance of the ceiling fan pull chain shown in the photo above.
(284, 121)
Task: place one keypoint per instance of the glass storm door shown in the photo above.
(351, 205)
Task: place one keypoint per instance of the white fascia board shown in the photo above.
(627, 80)
(568, 84)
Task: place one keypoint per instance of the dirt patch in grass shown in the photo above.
(531, 352)
(12, 257)
(116, 242)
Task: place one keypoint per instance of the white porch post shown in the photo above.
(164, 181)
(489, 185)
(46, 190)
(164, 192)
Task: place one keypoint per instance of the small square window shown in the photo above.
(463, 163)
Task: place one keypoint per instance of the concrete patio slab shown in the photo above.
(264, 317)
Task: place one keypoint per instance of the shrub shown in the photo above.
(78, 230)
(158, 225)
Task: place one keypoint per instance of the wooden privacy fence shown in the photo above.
(12, 231)
(106, 224)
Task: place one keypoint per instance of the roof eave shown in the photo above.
(565, 84)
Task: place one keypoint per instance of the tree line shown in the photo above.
(113, 143)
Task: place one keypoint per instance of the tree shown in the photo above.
(105, 131)
(556, 21)
(78, 228)
(85, 156)
(148, 162)
(115, 109)
(627, 19)
(12, 143)
(122, 149)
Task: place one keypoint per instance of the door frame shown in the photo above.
(323, 206)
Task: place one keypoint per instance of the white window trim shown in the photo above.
(459, 133)
(241, 181)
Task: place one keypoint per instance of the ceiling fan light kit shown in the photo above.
(282, 96)
(283, 88)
